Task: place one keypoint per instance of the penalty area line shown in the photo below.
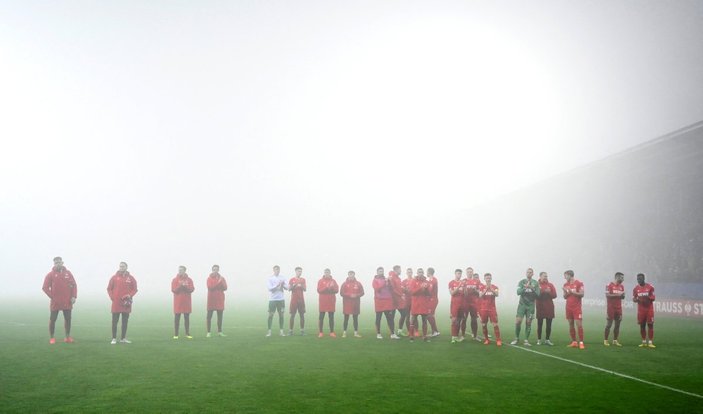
(607, 371)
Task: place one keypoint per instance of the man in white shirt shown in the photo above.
(276, 284)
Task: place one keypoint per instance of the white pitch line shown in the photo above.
(666, 387)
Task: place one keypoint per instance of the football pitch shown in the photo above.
(246, 372)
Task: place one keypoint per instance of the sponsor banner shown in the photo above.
(683, 307)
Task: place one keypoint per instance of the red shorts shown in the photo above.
(574, 313)
(489, 315)
(614, 314)
(456, 310)
(297, 306)
(645, 315)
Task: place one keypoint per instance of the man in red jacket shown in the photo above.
(216, 286)
(60, 287)
(351, 293)
(545, 308)
(398, 295)
(182, 286)
(327, 287)
(121, 288)
(421, 293)
(383, 302)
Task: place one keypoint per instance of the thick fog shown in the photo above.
(322, 134)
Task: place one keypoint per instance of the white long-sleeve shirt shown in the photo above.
(276, 292)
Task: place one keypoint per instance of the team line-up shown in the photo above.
(415, 298)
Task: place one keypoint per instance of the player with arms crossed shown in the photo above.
(328, 288)
(456, 305)
(573, 293)
(276, 284)
(298, 286)
(351, 292)
(643, 295)
(528, 290)
(614, 294)
(61, 288)
(216, 286)
(487, 309)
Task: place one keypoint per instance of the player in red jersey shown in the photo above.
(61, 288)
(487, 309)
(398, 294)
(573, 293)
(404, 303)
(298, 286)
(351, 292)
(434, 289)
(456, 306)
(545, 307)
(327, 287)
(472, 302)
(121, 289)
(421, 297)
(383, 302)
(643, 295)
(614, 294)
(182, 286)
(216, 286)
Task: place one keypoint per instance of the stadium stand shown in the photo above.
(640, 210)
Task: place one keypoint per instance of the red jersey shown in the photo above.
(434, 291)
(216, 286)
(121, 287)
(472, 286)
(351, 292)
(488, 298)
(60, 287)
(458, 296)
(615, 302)
(396, 289)
(327, 288)
(421, 296)
(573, 301)
(545, 300)
(297, 286)
(182, 287)
(643, 295)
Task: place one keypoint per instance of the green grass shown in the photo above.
(249, 373)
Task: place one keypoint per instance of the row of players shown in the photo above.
(415, 298)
